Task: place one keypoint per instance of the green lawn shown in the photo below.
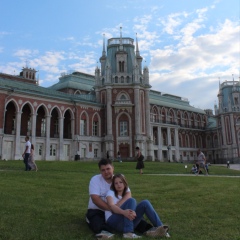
(51, 203)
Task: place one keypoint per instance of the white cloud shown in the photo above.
(146, 39)
(197, 59)
(25, 53)
(173, 20)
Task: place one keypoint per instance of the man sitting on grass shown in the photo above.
(98, 187)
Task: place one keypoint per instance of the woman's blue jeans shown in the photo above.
(122, 224)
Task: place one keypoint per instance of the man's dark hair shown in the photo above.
(104, 161)
(137, 148)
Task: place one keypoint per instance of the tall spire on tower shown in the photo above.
(121, 45)
(104, 51)
(137, 50)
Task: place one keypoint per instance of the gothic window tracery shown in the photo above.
(123, 128)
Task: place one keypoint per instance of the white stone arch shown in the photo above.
(71, 112)
(15, 103)
(99, 123)
(60, 115)
(121, 94)
(30, 105)
(44, 107)
(87, 121)
(77, 92)
(129, 121)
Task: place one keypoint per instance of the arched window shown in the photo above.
(163, 115)
(186, 120)
(187, 141)
(179, 118)
(83, 125)
(192, 120)
(164, 138)
(95, 126)
(172, 139)
(123, 97)
(199, 142)
(194, 145)
(171, 116)
(121, 66)
(180, 140)
(209, 145)
(154, 115)
(215, 141)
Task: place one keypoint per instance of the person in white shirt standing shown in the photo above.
(26, 154)
(201, 159)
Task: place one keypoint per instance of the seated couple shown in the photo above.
(111, 207)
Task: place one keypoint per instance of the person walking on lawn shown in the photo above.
(201, 160)
(26, 153)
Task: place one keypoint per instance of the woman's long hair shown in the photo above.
(122, 177)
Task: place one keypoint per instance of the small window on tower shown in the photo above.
(236, 100)
(121, 66)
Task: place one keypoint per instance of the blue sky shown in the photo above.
(188, 45)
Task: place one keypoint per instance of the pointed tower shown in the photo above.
(124, 91)
(103, 57)
(138, 57)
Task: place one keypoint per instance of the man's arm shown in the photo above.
(128, 213)
(99, 202)
(126, 196)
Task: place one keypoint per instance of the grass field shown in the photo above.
(51, 203)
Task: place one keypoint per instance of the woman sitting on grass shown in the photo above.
(126, 217)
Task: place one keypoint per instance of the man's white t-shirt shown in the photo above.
(100, 187)
(28, 144)
(115, 201)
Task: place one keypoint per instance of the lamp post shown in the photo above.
(169, 148)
